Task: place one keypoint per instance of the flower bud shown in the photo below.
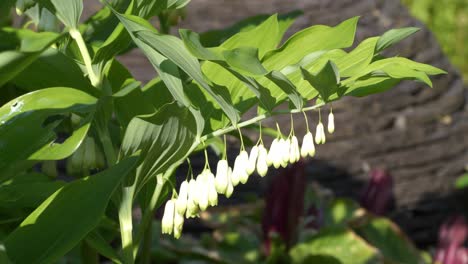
(221, 180)
(331, 123)
(242, 167)
(178, 224)
(202, 190)
(262, 165)
(181, 203)
(308, 147)
(252, 160)
(230, 187)
(271, 152)
(212, 193)
(167, 222)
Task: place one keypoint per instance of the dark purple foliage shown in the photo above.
(377, 196)
(284, 206)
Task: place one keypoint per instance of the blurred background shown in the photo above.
(401, 154)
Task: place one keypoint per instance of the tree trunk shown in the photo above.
(417, 133)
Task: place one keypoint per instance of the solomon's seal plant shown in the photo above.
(68, 100)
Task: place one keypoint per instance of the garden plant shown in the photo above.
(82, 143)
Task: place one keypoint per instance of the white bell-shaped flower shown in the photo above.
(203, 190)
(271, 152)
(192, 202)
(278, 153)
(212, 193)
(284, 154)
(262, 165)
(221, 180)
(308, 147)
(242, 168)
(178, 224)
(230, 187)
(331, 123)
(252, 160)
(182, 199)
(320, 134)
(294, 151)
(167, 222)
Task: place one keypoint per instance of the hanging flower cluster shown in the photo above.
(198, 193)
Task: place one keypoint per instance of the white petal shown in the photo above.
(294, 150)
(252, 160)
(181, 203)
(331, 123)
(306, 144)
(212, 193)
(243, 175)
(271, 152)
(178, 224)
(167, 222)
(262, 166)
(221, 181)
(235, 176)
(203, 190)
(322, 133)
(286, 149)
(230, 188)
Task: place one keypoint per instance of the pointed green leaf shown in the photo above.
(69, 12)
(217, 37)
(164, 138)
(173, 48)
(394, 36)
(390, 240)
(288, 88)
(27, 125)
(309, 40)
(339, 243)
(73, 211)
(245, 61)
(192, 43)
(325, 81)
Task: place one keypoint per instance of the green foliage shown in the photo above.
(448, 19)
(67, 100)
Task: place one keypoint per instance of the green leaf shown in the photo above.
(340, 212)
(462, 181)
(339, 243)
(264, 37)
(173, 48)
(358, 59)
(163, 138)
(31, 45)
(370, 85)
(27, 125)
(325, 81)
(96, 241)
(390, 240)
(52, 62)
(217, 37)
(192, 43)
(27, 191)
(131, 102)
(69, 12)
(245, 61)
(73, 211)
(288, 88)
(393, 36)
(309, 40)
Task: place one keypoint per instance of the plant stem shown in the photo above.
(126, 225)
(146, 221)
(76, 35)
(109, 150)
(256, 119)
